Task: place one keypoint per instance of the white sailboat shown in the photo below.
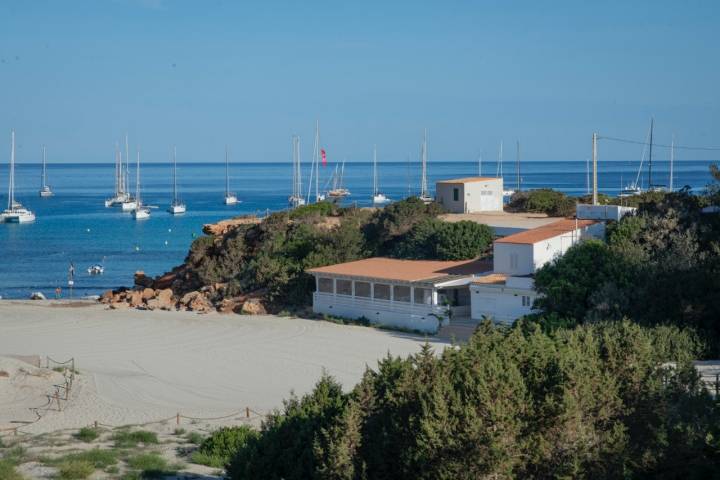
(140, 212)
(338, 192)
(315, 168)
(45, 190)
(377, 197)
(230, 198)
(176, 207)
(15, 212)
(634, 188)
(424, 193)
(128, 204)
(296, 199)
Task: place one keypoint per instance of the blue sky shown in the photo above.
(77, 75)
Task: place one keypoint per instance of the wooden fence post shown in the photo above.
(177, 419)
(247, 412)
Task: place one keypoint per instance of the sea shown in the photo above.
(74, 226)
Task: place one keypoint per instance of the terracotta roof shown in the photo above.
(405, 270)
(491, 279)
(469, 180)
(551, 230)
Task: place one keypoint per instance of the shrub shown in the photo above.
(75, 470)
(543, 200)
(217, 449)
(87, 434)
(126, 439)
(179, 431)
(314, 209)
(195, 438)
(150, 465)
(7, 470)
(435, 239)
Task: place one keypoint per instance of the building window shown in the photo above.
(325, 285)
(381, 291)
(423, 296)
(513, 260)
(362, 289)
(343, 287)
(401, 293)
(456, 194)
(526, 301)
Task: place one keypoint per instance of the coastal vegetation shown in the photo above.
(595, 401)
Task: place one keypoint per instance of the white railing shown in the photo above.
(377, 304)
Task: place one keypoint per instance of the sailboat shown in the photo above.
(315, 167)
(140, 212)
(15, 213)
(424, 194)
(128, 204)
(296, 199)
(44, 188)
(230, 198)
(176, 207)
(377, 197)
(338, 192)
(634, 188)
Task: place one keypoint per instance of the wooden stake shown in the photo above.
(177, 419)
(247, 412)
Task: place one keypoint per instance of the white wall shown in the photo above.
(602, 212)
(380, 312)
(470, 196)
(521, 264)
(502, 304)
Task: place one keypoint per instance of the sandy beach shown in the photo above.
(142, 366)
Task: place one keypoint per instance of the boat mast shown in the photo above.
(44, 173)
(480, 165)
(126, 177)
(650, 182)
(500, 161)
(317, 161)
(227, 173)
(138, 203)
(117, 169)
(174, 175)
(518, 165)
(423, 154)
(587, 177)
(375, 182)
(672, 160)
(11, 187)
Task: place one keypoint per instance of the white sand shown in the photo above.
(143, 366)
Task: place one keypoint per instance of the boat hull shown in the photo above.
(46, 193)
(176, 209)
(141, 214)
(128, 206)
(231, 200)
(380, 198)
(19, 217)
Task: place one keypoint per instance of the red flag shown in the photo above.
(324, 158)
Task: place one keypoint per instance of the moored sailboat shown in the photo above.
(15, 213)
(140, 212)
(296, 199)
(230, 198)
(177, 207)
(377, 197)
(338, 192)
(424, 192)
(45, 190)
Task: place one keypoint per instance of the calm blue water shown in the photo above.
(74, 225)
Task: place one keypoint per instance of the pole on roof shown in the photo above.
(594, 161)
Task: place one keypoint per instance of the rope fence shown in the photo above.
(58, 399)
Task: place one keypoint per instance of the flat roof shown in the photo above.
(511, 220)
(551, 230)
(469, 180)
(491, 279)
(406, 270)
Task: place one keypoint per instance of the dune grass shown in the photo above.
(8, 472)
(87, 434)
(127, 439)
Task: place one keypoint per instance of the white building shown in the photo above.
(411, 294)
(470, 195)
(508, 292)
(602, 212)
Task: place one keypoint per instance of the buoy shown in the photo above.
(169, 230)
(137, 248)
(165, 242)
(88, 229)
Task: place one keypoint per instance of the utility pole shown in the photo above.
(650, 182)
(594, 161)
(672, 160)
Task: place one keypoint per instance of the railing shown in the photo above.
(377, 304)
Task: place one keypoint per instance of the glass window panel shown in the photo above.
(423, 296)
(381, 291)
(401, 293)
(325, 285)
(343, 287)
(362, 289)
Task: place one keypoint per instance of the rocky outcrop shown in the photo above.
(224, 226)
(253, 306)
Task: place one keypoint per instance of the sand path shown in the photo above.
(140, 366)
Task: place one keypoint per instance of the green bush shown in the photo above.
(434, 239)
(591, 402)
(87, 434)
(75, 470)
(195, 438)
(127, 439)
(150, 465)
(320, 209)
(8, 472)
(543, 200)
(217, 449)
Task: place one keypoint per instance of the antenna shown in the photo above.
(594, 157)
